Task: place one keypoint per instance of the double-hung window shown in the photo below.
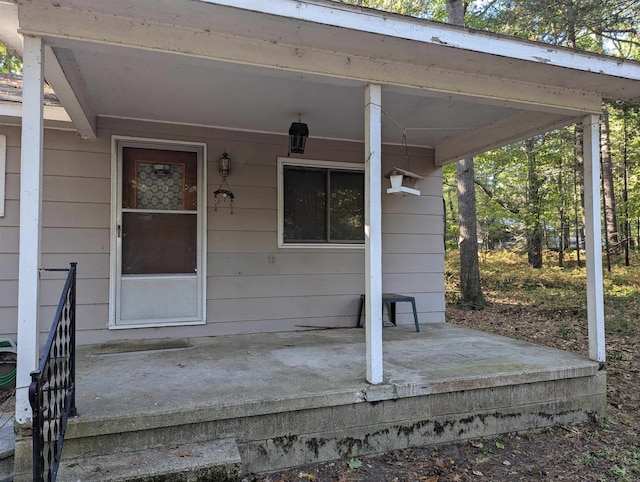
(320, 203)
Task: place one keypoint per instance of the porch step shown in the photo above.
(216, 461)
(7, 444)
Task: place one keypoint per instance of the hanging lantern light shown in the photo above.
(298, 133)
(224, 164)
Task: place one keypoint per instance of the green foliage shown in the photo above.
(9, 63)
(606, 26)
(505, 179)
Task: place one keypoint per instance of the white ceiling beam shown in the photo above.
(499, 134)
(64, 77)
(109, 29)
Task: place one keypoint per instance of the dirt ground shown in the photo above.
(602, 450)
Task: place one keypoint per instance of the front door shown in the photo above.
(159, 237)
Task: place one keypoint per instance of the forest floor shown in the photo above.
(547, 307)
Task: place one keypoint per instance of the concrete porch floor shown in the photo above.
(306, 369)
(287, 399)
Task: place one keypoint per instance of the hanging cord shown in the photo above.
(404, 149)
(404, 129)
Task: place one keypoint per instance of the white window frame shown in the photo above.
(3, 173)
(292, 161)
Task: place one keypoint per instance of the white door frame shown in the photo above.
(117, 144)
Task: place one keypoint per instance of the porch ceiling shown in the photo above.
(256, 66)
(159, 86)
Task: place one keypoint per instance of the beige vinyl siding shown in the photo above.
(9, 236)
(75, 217)
(9, 263)
(252, 285)
(286, 263)
(413, 245)
(9, 241)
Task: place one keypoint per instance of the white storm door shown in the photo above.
(159, 237)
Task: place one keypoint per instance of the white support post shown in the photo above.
(593, 248)
(373, 231)
(30, 223)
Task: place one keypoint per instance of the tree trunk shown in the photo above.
(534, 226)
(561, 215)
(455, 12)
(609, 200)
(534, 245)
(579, 166)
(625, 190)
(471, 297)
(444, 223)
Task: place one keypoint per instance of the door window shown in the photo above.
(159, 211)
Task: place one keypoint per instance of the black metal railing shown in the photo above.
(52, 390)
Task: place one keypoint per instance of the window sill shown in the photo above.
(320, 246)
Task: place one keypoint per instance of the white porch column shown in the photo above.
(373, 231)
(593, 248)
(30, 223)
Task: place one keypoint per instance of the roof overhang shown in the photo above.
(255, 66)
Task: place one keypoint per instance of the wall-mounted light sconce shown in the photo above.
(224, 168)
(224, 164)
(298, 133)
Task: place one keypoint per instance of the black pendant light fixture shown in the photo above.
(298, 133)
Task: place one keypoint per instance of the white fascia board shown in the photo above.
(439, 34)
(499, 134)
(52, 113)
(63, 76)
(110, 30)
